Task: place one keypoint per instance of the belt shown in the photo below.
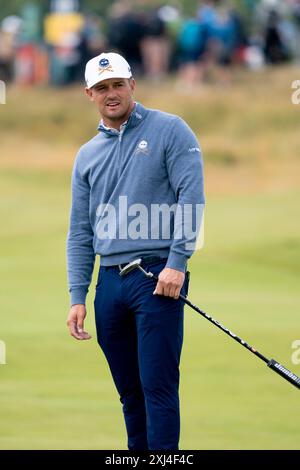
(146, 261)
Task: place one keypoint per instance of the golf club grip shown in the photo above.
(284, 372)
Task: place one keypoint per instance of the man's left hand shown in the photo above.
(170, 282)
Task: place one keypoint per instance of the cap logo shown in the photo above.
(104, 66)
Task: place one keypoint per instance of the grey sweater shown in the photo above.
(137, 191)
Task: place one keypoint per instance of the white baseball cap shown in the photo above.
(104, 66)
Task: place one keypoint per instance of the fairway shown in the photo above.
(57, 393)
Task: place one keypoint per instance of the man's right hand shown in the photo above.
(75, 322)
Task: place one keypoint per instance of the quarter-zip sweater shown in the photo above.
(154, 159)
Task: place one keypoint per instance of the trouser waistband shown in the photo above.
(146, 261)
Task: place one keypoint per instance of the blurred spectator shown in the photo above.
(125, 32)
(94, 40)
(275, 50)
(191, 45)
(155, 45)
(9, 30)
(211, 41)
(63, 30)
(225, 38)
(172, 17)
(31, 65)
(66, 60)
(31, 59)
(224, 31)
(276, 22)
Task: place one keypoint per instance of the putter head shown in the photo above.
(130, 267)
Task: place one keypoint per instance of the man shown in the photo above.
(137, 192)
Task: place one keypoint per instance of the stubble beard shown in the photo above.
(122, 114)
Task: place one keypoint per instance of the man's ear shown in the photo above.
(89, 94)
(132, 84)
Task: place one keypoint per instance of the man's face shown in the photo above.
(114, 99)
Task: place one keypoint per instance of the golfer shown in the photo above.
(137, 192)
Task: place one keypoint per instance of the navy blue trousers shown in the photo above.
(141, 336)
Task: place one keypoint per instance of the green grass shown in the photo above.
(56, 393)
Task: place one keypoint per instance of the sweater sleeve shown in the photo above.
(80, 252)
(185, 169)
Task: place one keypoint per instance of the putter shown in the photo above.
(274, 365)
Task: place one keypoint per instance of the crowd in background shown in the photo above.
(155, 41)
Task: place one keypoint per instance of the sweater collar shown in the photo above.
(137, 115)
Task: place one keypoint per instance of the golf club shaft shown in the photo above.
(274, 365)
